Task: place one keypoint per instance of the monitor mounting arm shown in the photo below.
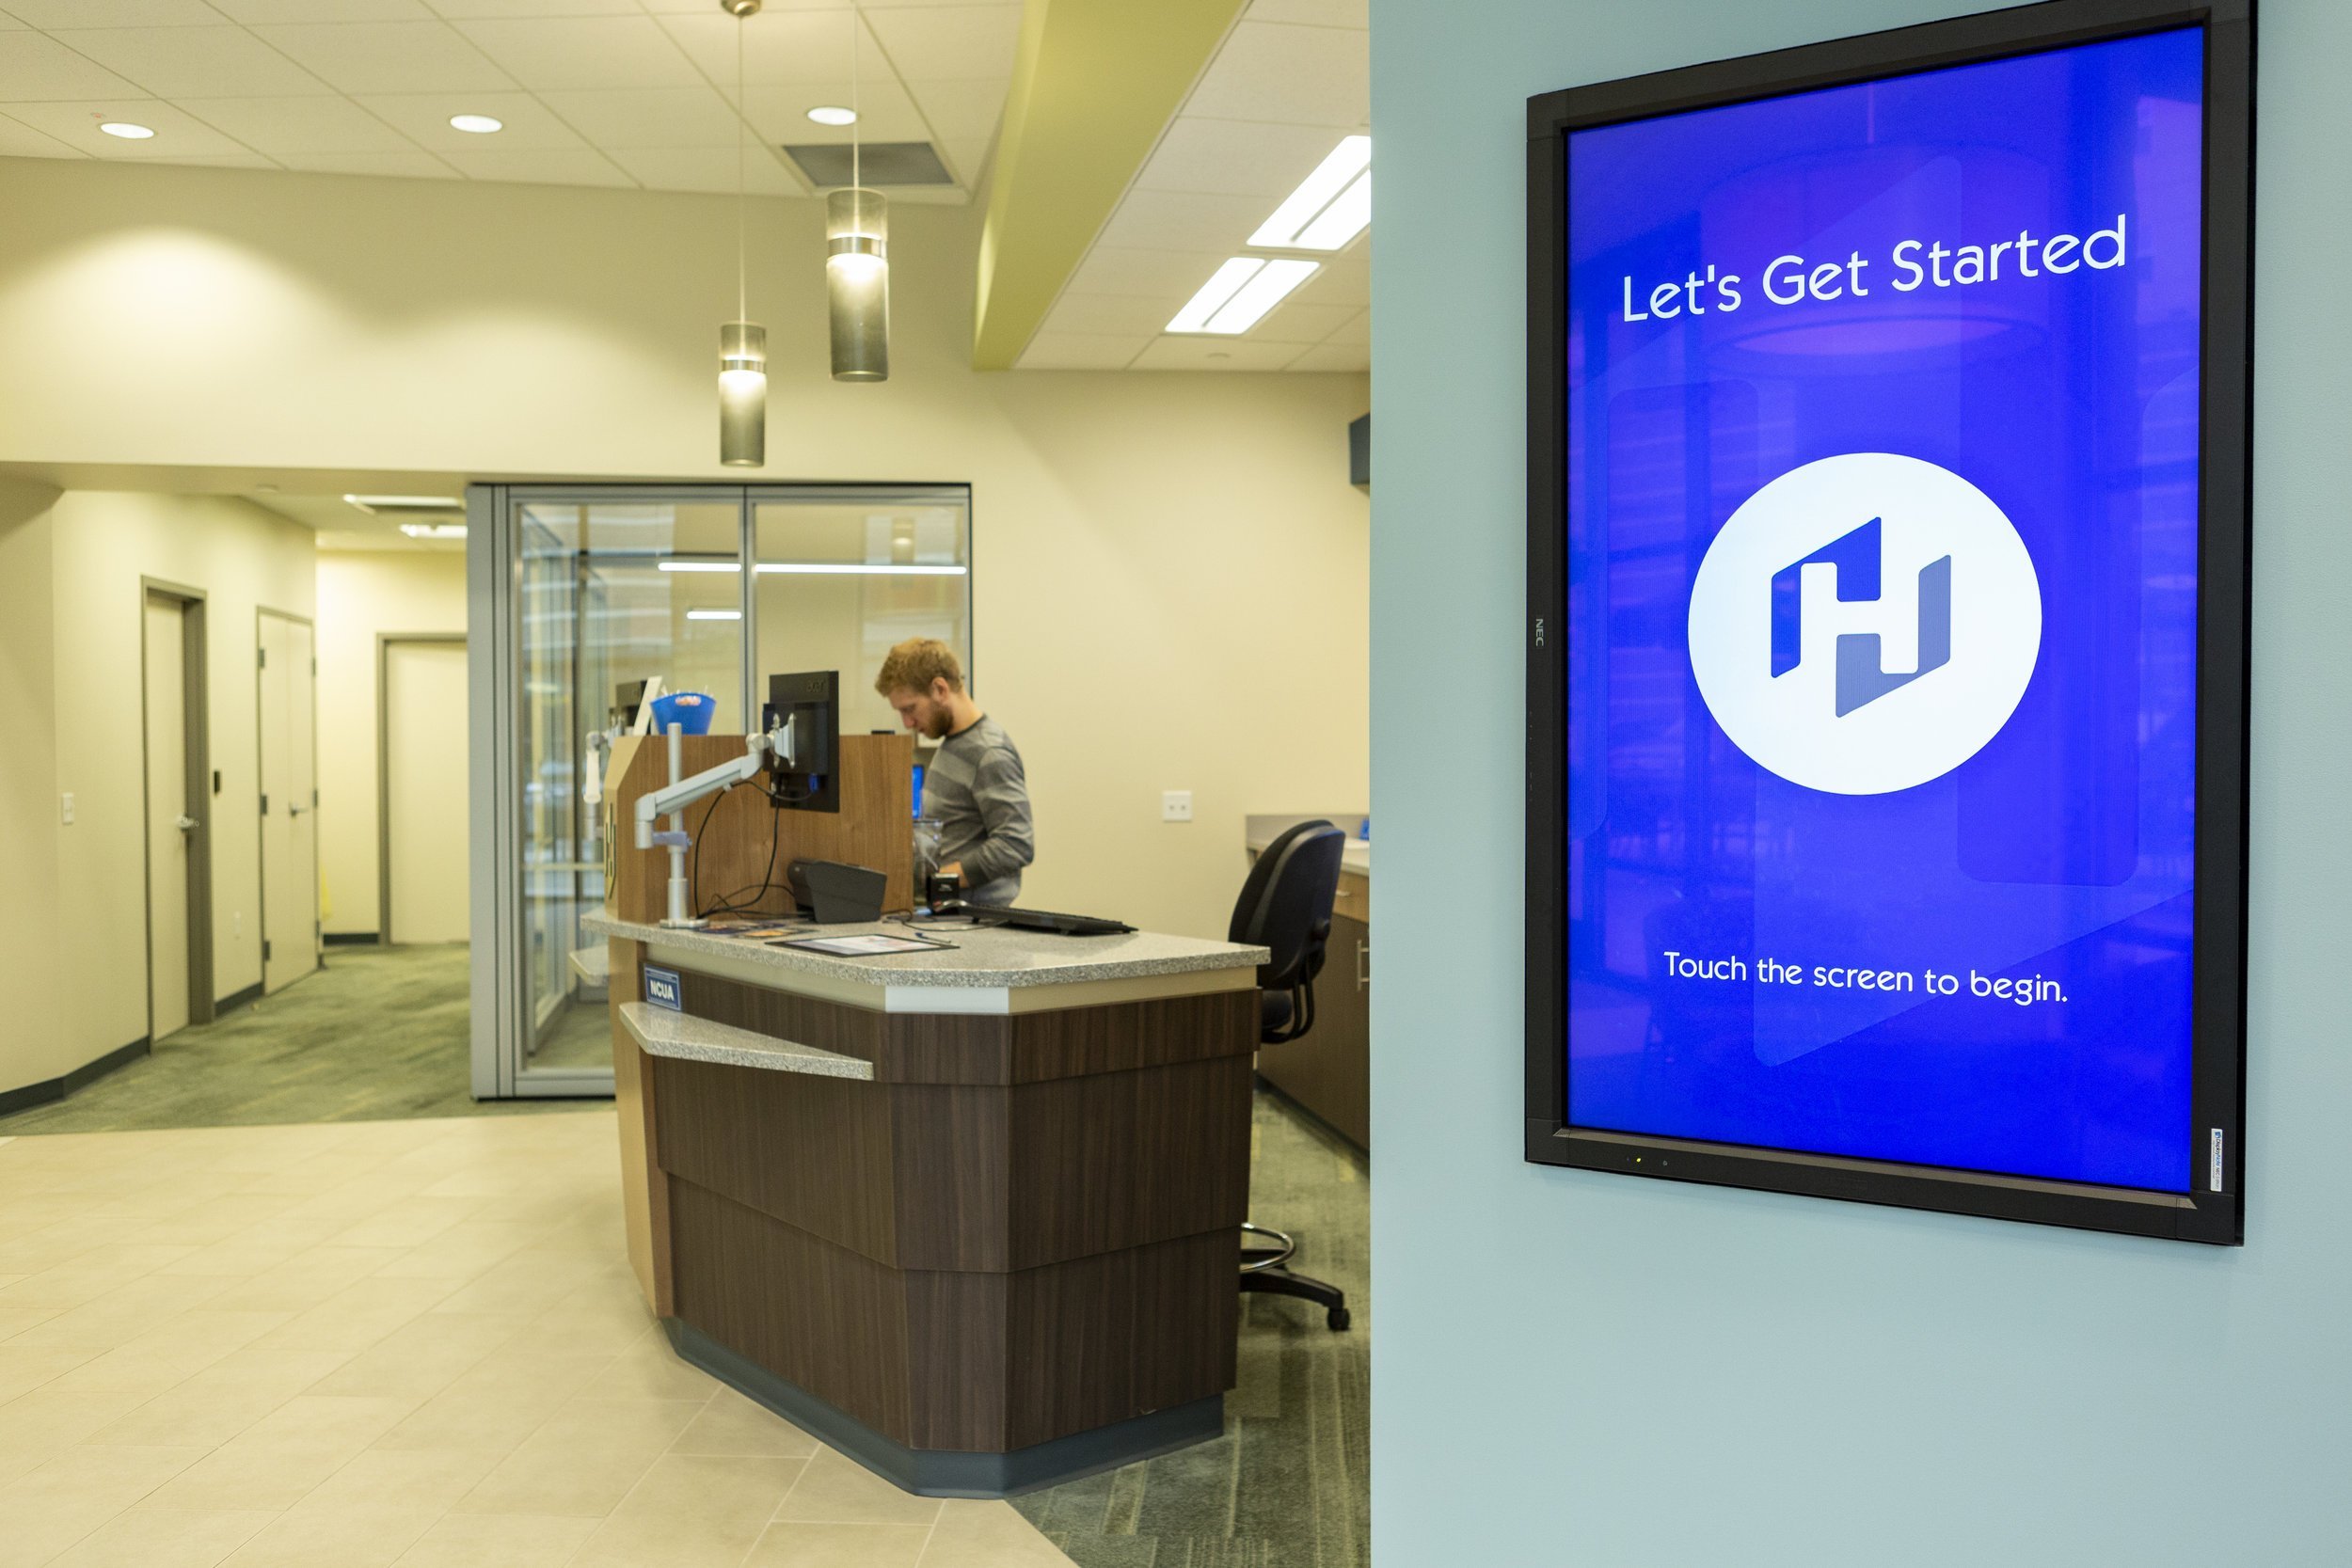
(671, 800)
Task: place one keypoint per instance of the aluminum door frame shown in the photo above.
(195, 743)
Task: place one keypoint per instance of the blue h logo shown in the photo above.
(1854, 557)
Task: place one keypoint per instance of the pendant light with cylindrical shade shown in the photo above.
(743, 343)
(857, 257)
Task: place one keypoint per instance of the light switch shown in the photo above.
(1176, 806)
(67, 800)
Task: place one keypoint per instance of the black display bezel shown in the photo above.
(2225, 469)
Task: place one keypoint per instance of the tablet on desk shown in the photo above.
(872, 945)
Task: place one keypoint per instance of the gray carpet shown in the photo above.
(378, 1035)
(1289, 1484)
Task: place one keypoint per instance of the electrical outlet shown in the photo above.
(66, 805)
(1176, 806)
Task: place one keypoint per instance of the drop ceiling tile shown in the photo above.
(475, 10)
(1356, 329)
(388, 56)
(280, 126)
(1344, 280)
(1318, 13)
(1214, 353)
(1233, 157)
(584, 52)
(962, 110)
(1334, 356)
(423, 119)
(649, 117)
(709, 169)
(552, 165)
(967, 156)
(1293, 321)
(23, 141)
(1179, 220)
(322, 10)
(946, 43)
(778, 46)
(51, 14)
(1150, 274)
(1123, 315)
(194, 62)
(405, 165)
(179, 135)
(219, 160)
(1079, 351)
(1288, 75)
(35, 68)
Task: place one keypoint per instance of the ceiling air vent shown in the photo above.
(881, 164)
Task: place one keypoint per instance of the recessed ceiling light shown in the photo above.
(405, 503)
(127, 131)
(1330, 207)
(714, 615)
(481, 125)
(833, 114)
(1239, 294)
(433, 530)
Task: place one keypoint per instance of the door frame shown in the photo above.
(261, 837)
(196, 742)
(383, 640)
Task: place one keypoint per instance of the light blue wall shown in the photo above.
(1583, 1370)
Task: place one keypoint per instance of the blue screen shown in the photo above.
(1881, 453)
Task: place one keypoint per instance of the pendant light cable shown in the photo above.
(742, 291)
(857, 25)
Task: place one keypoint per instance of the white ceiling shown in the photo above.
(594, 92)
(1291, 80)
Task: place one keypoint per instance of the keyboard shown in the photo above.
(1047, 920)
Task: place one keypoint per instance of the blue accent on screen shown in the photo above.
(2049, 877)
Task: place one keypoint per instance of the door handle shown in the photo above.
(292, 809)
(1364, 966)
(186, 824)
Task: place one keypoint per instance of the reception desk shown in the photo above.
(969, 1215)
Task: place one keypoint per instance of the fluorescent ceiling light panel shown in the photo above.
(433, 530)
(1262, 292)
(714, 615)
(1222, 285)
(1346, 217)
(1286, 229)
(855, 568)
(817, 568)
(405, 503)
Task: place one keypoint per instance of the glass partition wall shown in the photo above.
(575, 591)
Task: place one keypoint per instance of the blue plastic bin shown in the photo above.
(690, 711)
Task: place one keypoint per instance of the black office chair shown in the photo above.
(1285, 906)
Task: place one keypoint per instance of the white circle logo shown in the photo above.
(1865, 624)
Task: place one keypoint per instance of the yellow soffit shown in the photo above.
(1096, 83)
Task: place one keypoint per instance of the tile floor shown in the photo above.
(409, 1344)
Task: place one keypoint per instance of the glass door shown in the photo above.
(578, 592)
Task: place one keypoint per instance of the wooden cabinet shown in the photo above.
(1328, 1069)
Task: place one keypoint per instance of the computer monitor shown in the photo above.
(807, 706)
(627, 697)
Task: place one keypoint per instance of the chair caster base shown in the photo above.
(1282, 1282)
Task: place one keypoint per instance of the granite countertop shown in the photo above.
(663, 1033)
(985, 957)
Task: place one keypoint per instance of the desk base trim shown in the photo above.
(945, 1473)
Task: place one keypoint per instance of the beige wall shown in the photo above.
(33, 1046)
(245, 560)
(1171, 569)
(361, 595)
